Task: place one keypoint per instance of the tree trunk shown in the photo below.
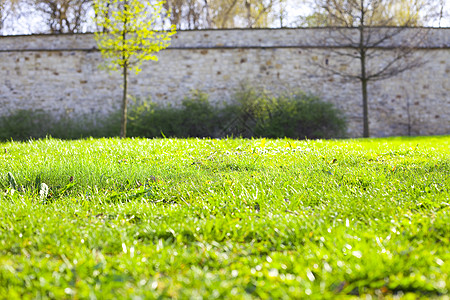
(364, 81)
(363, 77)
(365, 108)
(365, 100)
(123, 127)
(123, 124)
(208, 15)
(282, 12)
(248, 7)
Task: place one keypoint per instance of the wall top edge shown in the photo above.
(242, 38)
(234, 29)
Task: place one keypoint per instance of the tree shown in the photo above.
(442, 14)
(205, 14)
(7, 9)
(63, 16)
(188, 14)
(367, 28)
(130, 38)
(3, 14)
(282, 13)
(247, 13)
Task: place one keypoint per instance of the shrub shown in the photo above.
(301, 116)
(26, 124)
(148, 119)
(199, 117)
(258, 113)
(253, 113)
(196, 117)
(21, 125)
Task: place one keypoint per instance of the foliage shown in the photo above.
(253, 113)
(23, 125)
(62, 16)
(70, 15)
(166, 218)
(258, 113)
(347, 13)
(129, 37)
(200, 14)
(196, 117)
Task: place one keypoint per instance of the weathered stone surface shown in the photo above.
(60, 75)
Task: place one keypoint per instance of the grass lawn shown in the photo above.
(142, 219)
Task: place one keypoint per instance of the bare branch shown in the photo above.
(364, 18)
(396, 66)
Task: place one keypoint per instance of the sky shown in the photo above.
(32, 23)
(297, 10)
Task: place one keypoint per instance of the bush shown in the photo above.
(21, 125)
(26, 124)
(253, 113)
(258, 113)
(195, 118)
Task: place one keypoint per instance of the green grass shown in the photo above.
(225, 218)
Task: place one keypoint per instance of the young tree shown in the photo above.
(130, 38)
(366, 28)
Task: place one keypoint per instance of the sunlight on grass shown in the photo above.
(224, 218)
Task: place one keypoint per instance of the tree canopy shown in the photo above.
(129, 37)
(347, 13)
(62, 16)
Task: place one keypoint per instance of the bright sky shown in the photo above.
(296, 10)
(31, 23)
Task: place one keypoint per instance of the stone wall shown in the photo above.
(60, 74)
